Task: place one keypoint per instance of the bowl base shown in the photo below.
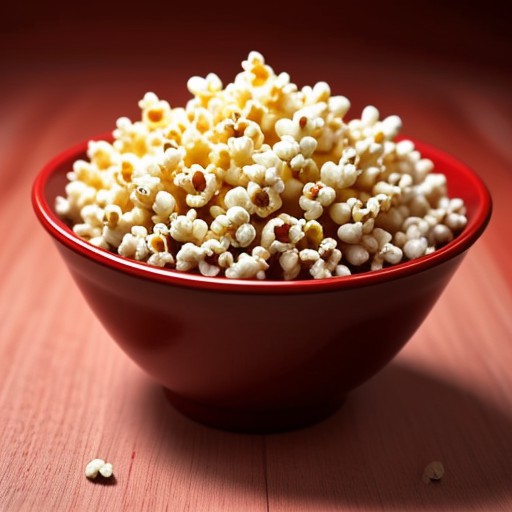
(253, 421)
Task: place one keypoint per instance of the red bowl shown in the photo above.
(259, 356)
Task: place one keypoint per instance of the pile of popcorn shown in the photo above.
(260, 179)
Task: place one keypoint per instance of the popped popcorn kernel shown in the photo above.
(98, 467)
(260, 179)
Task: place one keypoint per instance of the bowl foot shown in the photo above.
(253, 421)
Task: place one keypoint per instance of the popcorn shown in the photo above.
(98, 466)
(260, 179)
(316, 196)
(433, 472)
(199, 184)
(235, 226)
(249, 266)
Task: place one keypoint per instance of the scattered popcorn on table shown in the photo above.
(98, 466)
(260, 180)
(433, 472)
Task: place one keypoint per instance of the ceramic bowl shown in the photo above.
(259, 356)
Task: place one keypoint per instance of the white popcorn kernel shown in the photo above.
(225, 260)
(99, 241)
(415, 248)
(245, 235)
(391, 126)
(404, 147)
(260, 252)
(289, 261)
(241, 149)
(134, 246)
(390, 221)
(342, 270)
(107, 470)
(320, 92)
(455, 221)
(62, 206)
(340, 213)
(338, 105)
(188, 228)
(338, 176)
(382, 236)
(164, 204)
(368, 226)
(419, 206)
(92, 469)
(190, 255)
(377, 262)
(370, 243)
(413, 231)
(228, 225)
(319, 270)
(247, 267)
(238, 215)
(385, 188)
(267, 159)
(350, 233)
(391, 254)
(238, 196)
(160, 259)
(102, 154)
(355, 254)
(370, 115)
(161, 229)
(149, 99)
(308, 146)
(172, 158)
(285, 127)
(315, 196)
(441, 234)
(98, 466)
(286, 149)
(208, 269)
(87, 231)
(422, 168)
(309, 256)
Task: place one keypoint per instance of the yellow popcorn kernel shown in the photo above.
(102, 154)
(314, 234)
(220, 156)
(157, 243)
(197, 152)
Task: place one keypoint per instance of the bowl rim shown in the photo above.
(63, 234)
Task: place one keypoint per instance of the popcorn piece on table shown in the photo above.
(98, 467)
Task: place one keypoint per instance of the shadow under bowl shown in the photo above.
(260, 356)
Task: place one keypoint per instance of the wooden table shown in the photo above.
(68, 394)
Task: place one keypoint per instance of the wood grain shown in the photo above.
(68, 394)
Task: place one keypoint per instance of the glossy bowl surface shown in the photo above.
(260, 356)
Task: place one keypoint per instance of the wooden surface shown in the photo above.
(68, 394)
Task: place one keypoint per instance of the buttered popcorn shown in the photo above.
(260, 180)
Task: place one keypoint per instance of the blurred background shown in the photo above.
(370, 51)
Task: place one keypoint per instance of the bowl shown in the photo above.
(259, 356)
